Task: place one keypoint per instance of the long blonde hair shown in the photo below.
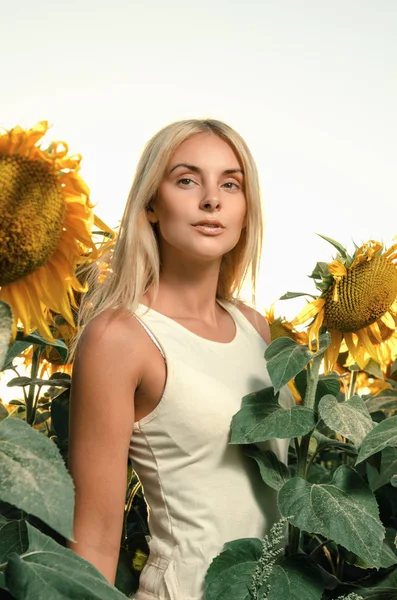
(135, 262)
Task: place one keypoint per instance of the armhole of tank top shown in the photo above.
(155, 410)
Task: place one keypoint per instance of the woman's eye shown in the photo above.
(230, 185)
(186, 181)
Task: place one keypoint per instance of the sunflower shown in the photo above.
(358, 302)
(46, 221)
(281, 327)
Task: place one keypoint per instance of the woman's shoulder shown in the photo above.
(256, 319)
(112, 331)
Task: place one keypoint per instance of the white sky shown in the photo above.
(311, 85)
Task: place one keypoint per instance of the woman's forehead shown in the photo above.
(205, 149)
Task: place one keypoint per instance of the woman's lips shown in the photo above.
(209, 229)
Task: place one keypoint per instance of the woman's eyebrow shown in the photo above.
(198, 170)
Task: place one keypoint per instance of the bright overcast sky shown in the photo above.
(311, 85)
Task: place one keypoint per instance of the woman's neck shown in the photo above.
(186, 294)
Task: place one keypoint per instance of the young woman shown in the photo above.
(165, 359)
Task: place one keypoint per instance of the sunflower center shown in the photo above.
(365, 293)
(277, 330)
(32, 210)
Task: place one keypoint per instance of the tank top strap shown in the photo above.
(240, 319)
(151, 335)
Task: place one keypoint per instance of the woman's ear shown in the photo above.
(152, 217)
(151, 212)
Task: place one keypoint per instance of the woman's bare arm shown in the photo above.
(106, 374)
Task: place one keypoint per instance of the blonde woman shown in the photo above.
(165, 359)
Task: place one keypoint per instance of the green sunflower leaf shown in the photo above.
(36, 338)
(285, 359)
(262, 418)
(349, 418)
(373, 368)
(385, 400)
(382, 435)
(229, 575)
(33, 476)
(388, 469)
(273, 472)
(48, 570)
(294, 578)
(324, 442)
(343, 510)
(388, 555)
(13, 537)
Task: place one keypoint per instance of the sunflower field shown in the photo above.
(337, 498)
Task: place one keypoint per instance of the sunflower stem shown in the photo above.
(313, 371)
(30, 401)
(302, 449)
(23, 389)
(352, 385)
(294, 538)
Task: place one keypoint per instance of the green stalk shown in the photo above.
(312, 375)
(313, 371)
(346, 460)
(30, 400)
(352, 385)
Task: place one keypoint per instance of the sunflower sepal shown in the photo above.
(290, 295)
(344, 256)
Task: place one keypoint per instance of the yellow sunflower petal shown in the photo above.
(388, 320)
(363, 338)
(375, 330)
(315, 328)
(366, 252)
(354, 351)
(103, 227)
(390, 251)
(310, 311)
(332, 352)
(337, 269)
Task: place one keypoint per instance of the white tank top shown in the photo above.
(201, 492)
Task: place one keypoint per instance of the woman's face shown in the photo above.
(200, 207)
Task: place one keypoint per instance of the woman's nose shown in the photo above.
(210, 199)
